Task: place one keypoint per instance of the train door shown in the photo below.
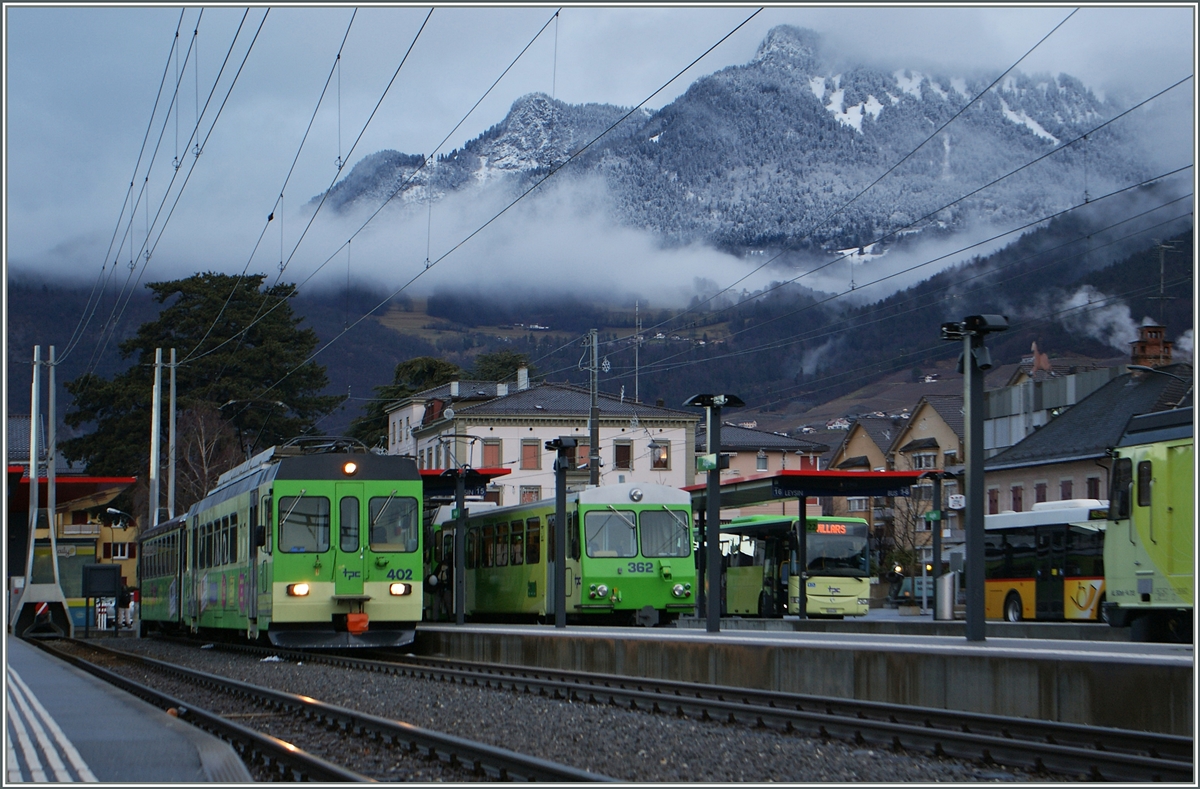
(252, 559)
(1050, 564)
(262, 558)
(348, 564)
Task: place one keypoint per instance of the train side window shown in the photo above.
(1122, 477)
(304, 527)
(268, 522)
(1145, 477)
(517, 543)
(487, 550)
(348, 524)
(533, 542)
(502, 545)
(233, 537)
(472, 541)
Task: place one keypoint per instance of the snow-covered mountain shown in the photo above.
(776, 153)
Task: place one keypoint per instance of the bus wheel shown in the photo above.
(1012, 608)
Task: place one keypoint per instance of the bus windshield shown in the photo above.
(837, 549)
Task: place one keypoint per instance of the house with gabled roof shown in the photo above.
(754, 451)
(1067, 458)
(638, 442)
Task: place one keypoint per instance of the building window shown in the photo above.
(1093, 487)
(660, 456)
(857, 505)
(491, 453)
(1039, 491)
(531, 493)
(1018, 498)
(923, 460)
(531, 455)
(993, 501)
(760, 461)
(582, 450)
(623, 455)
(1066, 489)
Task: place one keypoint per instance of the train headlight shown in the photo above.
(400, 589)
(635, 494)
(349, 468)
(679, 591)
(602, 590)
(298, 590)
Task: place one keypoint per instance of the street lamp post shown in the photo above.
(712, 521)
(975, 359)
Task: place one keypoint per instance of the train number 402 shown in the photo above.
(399, 575)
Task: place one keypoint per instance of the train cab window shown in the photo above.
(1122, 478)
(665, 533)
(517, 542)
(487, 547)
(610, 534)
(348, 524)
(395, 524)
(304, 524)
(502, 545)
(1145, 477)
(533, 541)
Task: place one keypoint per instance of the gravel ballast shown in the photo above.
(623, 744)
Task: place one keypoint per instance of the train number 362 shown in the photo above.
(641, 567)
(399, 575)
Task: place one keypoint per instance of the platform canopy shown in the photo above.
(71, 492)
(439, 483)
(793, 483)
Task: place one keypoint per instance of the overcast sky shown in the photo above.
(81, 84)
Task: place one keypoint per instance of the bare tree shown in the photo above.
(208, 447)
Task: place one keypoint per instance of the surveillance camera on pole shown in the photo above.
(973, 361)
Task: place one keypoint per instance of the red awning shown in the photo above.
(80, 492)
(792, 483)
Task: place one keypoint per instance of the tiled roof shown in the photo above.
(1088, 428)
(467, 390)
(882, 429)
(949, 408)
(17, 446)
(858, 461)
(566, 400)
(734, 437)
(928, 442)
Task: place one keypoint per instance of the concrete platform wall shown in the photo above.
(1097, 692)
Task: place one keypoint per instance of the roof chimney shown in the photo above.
(1151, 348)
(522, 378)
(501, 390)
(454, 388)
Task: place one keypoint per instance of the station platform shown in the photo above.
(65, 725)
(892, 658)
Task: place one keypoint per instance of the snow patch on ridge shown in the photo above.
(1021, 119)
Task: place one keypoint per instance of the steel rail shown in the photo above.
(252, 746)
(1099, 752)
(496, 763)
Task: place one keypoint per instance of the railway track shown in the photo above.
(1061, 748)
(288, 762)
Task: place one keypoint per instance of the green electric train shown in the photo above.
(315, 544)
(1150, 544)
(629, 558)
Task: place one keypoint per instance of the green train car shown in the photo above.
(1151, 540)
(307, 546)
(629, 558)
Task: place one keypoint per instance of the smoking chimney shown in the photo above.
(1151, 348)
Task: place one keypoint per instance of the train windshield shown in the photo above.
(611, 533)
(304, 524)
(395, 524)
(665, 533)
(838, 549)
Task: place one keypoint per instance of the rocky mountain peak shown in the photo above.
(791, 47)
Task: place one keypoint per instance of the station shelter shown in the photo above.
(777, 570)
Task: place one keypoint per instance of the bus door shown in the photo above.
(349, 566)
(1050, 564)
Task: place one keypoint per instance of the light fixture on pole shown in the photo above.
(974, 359)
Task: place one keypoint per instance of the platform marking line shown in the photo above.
(32, 760)
(13, 771)
(67, 747)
